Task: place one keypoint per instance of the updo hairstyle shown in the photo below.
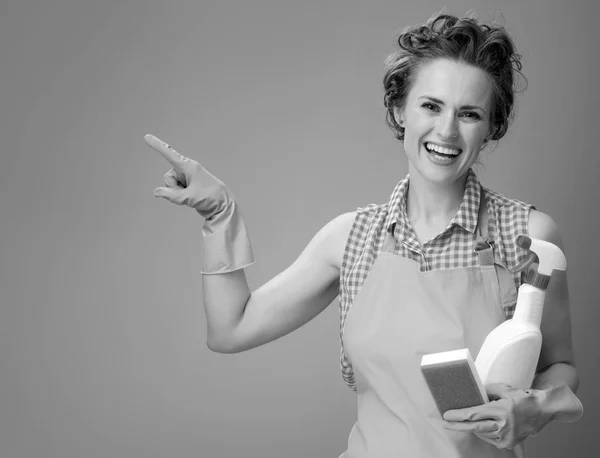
(488, 47)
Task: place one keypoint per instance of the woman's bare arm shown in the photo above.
(238, 320)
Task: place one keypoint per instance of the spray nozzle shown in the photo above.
(525, 242)
(548, 255)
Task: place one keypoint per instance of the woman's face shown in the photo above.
(446, 118)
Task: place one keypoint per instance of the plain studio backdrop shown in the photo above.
(102, 329)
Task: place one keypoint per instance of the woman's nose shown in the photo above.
(447, 126)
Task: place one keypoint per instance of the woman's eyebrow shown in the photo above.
(439, 102)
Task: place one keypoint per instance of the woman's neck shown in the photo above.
(433, 204)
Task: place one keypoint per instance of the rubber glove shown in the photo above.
(226, 241)
(512, 414)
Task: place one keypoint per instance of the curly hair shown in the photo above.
(488, 47)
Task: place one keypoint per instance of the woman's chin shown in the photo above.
(441, 174)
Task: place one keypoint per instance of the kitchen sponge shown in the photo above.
(453, 380)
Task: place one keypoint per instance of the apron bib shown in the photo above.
(400, 314)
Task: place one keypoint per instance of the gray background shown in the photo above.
(102, 328)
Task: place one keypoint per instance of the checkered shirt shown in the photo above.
(452, 248)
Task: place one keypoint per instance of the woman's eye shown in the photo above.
(471, 115)
(430, 106)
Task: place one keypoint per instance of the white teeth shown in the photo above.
(442, 150)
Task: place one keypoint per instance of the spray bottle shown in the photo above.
(510, 353)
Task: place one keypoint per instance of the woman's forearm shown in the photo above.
(555, 375)
(557, 386)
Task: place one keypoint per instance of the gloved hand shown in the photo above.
(226, 242)
(509, 418)
(512, 414)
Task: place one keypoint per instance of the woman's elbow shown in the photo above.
(222, 346)
(220, 342)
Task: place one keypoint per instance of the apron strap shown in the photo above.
(484, 246)
(389, 243)
(489, 255)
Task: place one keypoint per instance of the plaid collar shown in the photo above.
(467, 213)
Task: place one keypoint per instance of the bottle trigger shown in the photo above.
(529, 259)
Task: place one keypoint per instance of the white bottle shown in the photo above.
(510, 353)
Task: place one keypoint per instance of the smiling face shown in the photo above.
(446, 118)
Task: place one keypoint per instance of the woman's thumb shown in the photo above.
(165, 193)
(175, 196)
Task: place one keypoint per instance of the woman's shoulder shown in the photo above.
(509, 214)
(359, 221)
(514, 217)
(368, 220)
(499, 201)
(543, 227)
(347, 232)
(540, 224)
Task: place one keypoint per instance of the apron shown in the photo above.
(402, 313)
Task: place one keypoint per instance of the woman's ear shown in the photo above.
(399, 116)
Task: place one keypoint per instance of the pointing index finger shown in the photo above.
(164, 149)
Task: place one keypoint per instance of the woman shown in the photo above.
(413, 274)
